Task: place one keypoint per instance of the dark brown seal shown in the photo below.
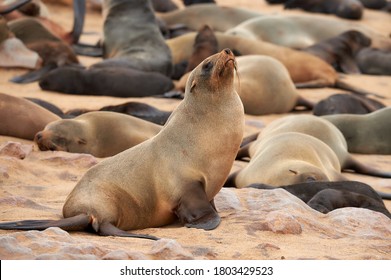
(374, 61)
(108, 81)
(328, 196)
(350, 9)
(120, 193)
(346, 104)
(132, 38)
(340, 51)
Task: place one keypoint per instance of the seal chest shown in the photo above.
(180, 170)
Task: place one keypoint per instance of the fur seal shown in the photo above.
(22, 118)
(306, 70)
(350, 9)
(54, 50)
(374, 61)
(110, 81)
(346, 104)
(101, 134)
(219, 18)
(120, 193)
(365, 134)
(287, 158)
(322, 130)
(340, 51)
(328, 196)
(302, 31)
(131, 38)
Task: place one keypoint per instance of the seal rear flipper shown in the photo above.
(7, 8)
(361, 168)
(108, 229)
(195, 211)
(33, 76)
(76, 223)
(345, 86)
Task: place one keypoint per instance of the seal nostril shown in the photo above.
(38, 136)
(227, 51)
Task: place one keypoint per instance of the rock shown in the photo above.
(15, 149)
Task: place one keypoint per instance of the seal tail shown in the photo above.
(80, 222)
(340, 84)
(352, 164)
(7, 8)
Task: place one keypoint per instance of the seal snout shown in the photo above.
(227, 51)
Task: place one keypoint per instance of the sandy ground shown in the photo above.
(60, 171)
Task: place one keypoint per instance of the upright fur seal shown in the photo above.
(132, 190)
(365, 134)
(101, 134)
(328, 196)
(131, 37)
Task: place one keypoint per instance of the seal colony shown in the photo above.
(121, 194)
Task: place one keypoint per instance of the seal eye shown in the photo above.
(207, 66)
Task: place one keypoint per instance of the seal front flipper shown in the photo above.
(194, 210)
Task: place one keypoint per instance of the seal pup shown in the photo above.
(131, 190)
(109, 81)
(374, 61)
(101, 134)
(350, 9)
(194, 2)
(322, 130)
(365, 134)
(143, 48)
(328, 196)
(22, 118)
(343, 103)
(163, 6)
(340, 51)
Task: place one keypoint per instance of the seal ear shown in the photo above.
(195, 211)
(81, 141)
(193, 84)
